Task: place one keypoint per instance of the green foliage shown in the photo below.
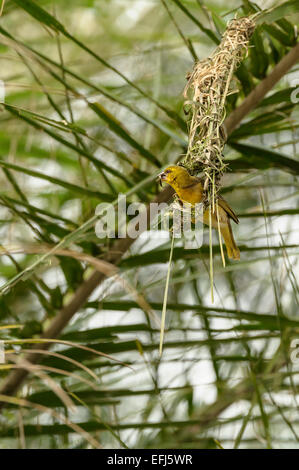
(94, 108)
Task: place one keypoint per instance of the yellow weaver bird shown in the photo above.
(190, 189)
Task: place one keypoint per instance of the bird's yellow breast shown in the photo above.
(192, 194)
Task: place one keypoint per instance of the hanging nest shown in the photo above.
(210, 82)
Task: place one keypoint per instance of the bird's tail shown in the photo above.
(233, 251)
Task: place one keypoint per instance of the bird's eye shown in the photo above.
(167, 171)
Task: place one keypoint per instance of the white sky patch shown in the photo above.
(72, 209)
(132, 14)
(86, 21)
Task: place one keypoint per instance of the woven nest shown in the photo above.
(210, 83)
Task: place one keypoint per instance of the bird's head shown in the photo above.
(175, 176)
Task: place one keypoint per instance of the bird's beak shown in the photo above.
(161, 177)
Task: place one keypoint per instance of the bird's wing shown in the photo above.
(222, 203)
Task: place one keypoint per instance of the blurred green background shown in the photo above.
(94, 107)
